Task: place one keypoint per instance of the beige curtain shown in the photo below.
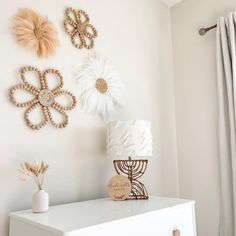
(226, 79)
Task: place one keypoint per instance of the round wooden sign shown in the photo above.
(119, 187)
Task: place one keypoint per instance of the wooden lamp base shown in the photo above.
(133, 169)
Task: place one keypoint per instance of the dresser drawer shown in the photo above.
(160, 223)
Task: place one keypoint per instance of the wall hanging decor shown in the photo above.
(36, 170)
(77, 25)
(44, 97)
(101, 88)
(35, 31)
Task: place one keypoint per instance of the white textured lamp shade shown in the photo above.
(129, 139)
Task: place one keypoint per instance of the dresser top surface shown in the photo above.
(80, 215)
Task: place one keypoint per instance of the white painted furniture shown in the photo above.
(103, 217)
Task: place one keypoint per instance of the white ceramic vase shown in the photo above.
(40, 201)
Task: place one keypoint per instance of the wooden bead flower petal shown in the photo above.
(62, 124)
(30, 123)
(44, 98)
(25, 70)
(68, 94)
(78, 27)
(57, 74)
(24, 87)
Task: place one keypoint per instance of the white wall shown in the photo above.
(196, 106)
(136, 35)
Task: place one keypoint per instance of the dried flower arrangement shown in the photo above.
(35, 170)
(35, 31)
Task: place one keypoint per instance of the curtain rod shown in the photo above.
(203, 31)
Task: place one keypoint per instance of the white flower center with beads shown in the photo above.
(46, 98)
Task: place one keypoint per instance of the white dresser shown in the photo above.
(103, 217)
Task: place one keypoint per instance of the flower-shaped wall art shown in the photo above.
(101, 88)
(44, 98)
(77, 25)
(35, 31)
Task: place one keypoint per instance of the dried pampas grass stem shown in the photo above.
(35, 170)
(35, 31)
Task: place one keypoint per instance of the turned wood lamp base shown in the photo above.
(133, 169)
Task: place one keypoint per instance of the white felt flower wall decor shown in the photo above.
(101, 88)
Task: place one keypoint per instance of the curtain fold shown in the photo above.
(226, 83)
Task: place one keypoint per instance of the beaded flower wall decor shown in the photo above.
(44, 98)
(100, 86)
(35, 31)
(77, 25)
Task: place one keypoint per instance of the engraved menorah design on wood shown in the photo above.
(133, 169)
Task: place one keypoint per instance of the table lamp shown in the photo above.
(130, 143)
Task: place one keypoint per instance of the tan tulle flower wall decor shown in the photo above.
(43, 97)
(77, 25)
(36, 32)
